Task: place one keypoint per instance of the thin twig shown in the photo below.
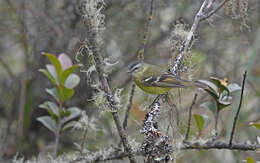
(82, 146)
(140, 54)
(215, 10)
(189, 120)
(238, 110)
(216, 124)
(129, 106)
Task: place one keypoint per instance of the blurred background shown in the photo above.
(225, 45)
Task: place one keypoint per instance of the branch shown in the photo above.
(222, 145)
(140, 53)
(129, 106)
(238, 110)
(118, 155)
(189, 120)
(92, 40)
(205, 12)
(215, 10)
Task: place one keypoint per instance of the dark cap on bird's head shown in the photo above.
(134, 66)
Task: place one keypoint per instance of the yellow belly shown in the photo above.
(152, 89)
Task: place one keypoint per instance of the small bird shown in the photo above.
(155, 80)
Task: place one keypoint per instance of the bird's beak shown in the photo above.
(128, 71)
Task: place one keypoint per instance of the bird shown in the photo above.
(155, 80)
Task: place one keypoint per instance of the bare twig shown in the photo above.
(129, 106)
(216, 124)
(140, 54)
(82, 146)
(238, 110)
(189, 120)
(214, 10)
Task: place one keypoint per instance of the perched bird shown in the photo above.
(155, 80)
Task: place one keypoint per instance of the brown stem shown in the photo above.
(238, 110)
(189, 120)
(129, 106)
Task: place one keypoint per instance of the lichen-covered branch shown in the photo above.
(206, 10)
(118, 155)
(155, 146)
(92, 23)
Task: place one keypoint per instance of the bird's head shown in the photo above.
(135, 67)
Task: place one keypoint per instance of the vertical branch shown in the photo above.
(206, 10)
(189, 120)
(216, 124)
(238, 110)
(140, 54)
(93, 43)
(129, 106)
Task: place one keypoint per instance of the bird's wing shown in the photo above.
(164, 80)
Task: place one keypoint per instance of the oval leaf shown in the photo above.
(54, 93)
(233, 87)
(48, 75)
(199, 121)
(249, 160)
(53, 72)
(209, 105)
(74, 112)
(51, 107)
(55, 62)
(48, 122)
(72, 81)
(257, 125)
(65, 93)
(67, 72)
(65, 61)
(69, 125)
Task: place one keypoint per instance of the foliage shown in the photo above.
(61, 75)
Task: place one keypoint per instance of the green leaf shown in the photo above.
(48, 75)
(233, 87)
(223, 104)
(220, 83)
(65, 61)
(72, 81)
(52, 108)
(199, 121)
(249, 160)
(209, 105)
(53, 72)
(74, 112)
(65, 93)
(256, 124)
(54, 93)
(49, 123)
(69, 125)
(55, 62)
(212, 89)
(67, 72)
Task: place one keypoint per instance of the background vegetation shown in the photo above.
(225, 45)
